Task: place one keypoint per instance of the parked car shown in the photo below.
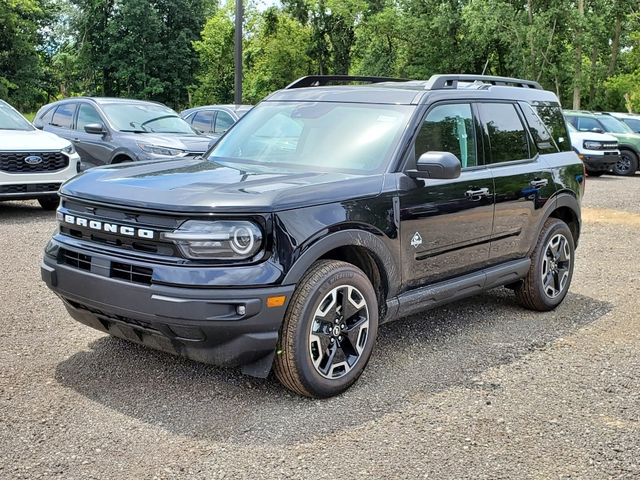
(111, 130)
(325, 212)
(628, 141)
(214, 120)
(33, 164)
(631, 119)
(598, 151)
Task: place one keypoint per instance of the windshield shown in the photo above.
(143, 117)
(347, 137)
(12, 120)
(613, 125)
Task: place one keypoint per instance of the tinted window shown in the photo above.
(202, 121)
(86, 115)
(223, 122)
(551, 115)
(586, 124)
(633, 123)
(507, 136)
(541, 135)
(449, 128)
(63, 116)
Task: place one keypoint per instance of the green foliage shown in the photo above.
(181, 51)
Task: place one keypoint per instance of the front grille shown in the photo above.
(75, 259)
(131, 273)
(15, 162)
(121, 271)
(29, 188)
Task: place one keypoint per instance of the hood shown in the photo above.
(631, 138)
(188, 142)
(196, 185)
(31, 140)
(593, 136)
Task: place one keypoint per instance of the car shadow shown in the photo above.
(419, 355)
(23, 212)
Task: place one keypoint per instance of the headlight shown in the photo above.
(158, 150)
(592, 145)
(70, 150)
(217, 240)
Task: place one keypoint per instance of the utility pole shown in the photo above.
(238, 53)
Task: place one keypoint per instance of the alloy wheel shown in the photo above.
(623, 165)
(556, 266)
(339, 332)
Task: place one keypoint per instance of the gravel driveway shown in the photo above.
(479, 389)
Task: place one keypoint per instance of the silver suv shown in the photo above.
(111, 130)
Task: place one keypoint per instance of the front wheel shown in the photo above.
(627, 164)
(49, 203)
(329, 330)
(549, 277)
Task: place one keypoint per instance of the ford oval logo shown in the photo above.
(33, 160)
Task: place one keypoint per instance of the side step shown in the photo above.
(448, 291)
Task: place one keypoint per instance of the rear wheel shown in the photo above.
(329, 330)
(50, 202)
(549, 277)
(627, 164)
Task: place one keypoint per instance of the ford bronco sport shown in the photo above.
(324, 212)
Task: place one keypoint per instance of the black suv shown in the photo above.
(323, 213)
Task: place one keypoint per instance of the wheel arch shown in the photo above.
(566, 208)
(361, 248)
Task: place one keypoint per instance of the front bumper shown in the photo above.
(600, 163)
(220, 326)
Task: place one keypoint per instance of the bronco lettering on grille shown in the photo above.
(109, 227)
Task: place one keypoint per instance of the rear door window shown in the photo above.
(203, 121)
(63, 116)
(506, 135)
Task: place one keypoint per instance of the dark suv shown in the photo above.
(113, 130)
(325, 212)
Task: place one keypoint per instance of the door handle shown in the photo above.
(478, 194)
(539, 183)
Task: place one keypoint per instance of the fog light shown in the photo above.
(241, 310)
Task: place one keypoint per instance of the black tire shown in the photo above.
(627, 165)
(301, 355)
(49, 203)
(593, 173)
(533, 293)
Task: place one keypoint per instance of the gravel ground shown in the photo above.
(480, 389)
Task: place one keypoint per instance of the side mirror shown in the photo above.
(440, 165)
(94, 128)
(597, 130)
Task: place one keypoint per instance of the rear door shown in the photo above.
(523, 182)
(446, 225)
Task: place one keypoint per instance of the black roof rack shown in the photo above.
(441, 82)
(322, 80)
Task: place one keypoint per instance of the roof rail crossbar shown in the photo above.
(322, 80)
(441, 82)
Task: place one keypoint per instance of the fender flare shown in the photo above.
(562, 199)
(357, 238)
(121, 151)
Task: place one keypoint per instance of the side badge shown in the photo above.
(416, 240)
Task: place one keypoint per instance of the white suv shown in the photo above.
(598, 151)
(33, 164)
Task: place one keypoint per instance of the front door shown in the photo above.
(93, 148)
(446, 225)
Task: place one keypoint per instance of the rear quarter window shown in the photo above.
(551, 116)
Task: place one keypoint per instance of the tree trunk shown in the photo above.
(577, 74)
(615, 46)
